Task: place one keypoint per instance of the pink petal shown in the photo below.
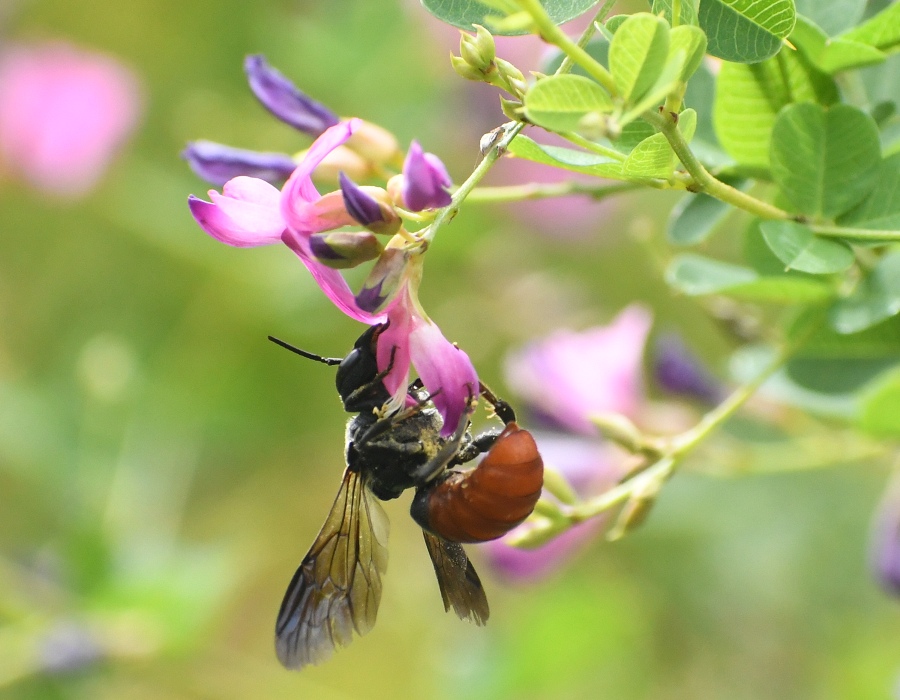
(299, 190)
(571, 375)
(330, 280)
(236, 223)
(395, 340)
(446, 372)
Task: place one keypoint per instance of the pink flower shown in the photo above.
(566, 378)
(591, 468)
(251, 212)
(571, 375)
(64, 112)
(445, 370)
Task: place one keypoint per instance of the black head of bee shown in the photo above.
(359, 383)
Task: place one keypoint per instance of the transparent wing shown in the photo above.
(460, 586)
(337, 588)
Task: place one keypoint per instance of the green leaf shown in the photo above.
(695, 217)
(464, 13)
(665, 84)
(881, 208)
(876, 342)
(834, 16)
(882, 31)
(566, 158)
(638, 54)
(653, 157)
(748, 98)
(875, 299)
(696, 275)
(560, 102)
(688, 14)
(825, 161)
(692, 41)
(880, 406)
(746, 31)
(800, 249)
(832, 55)
(700, 94)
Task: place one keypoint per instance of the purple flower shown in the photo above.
(570, 375)
(251, 212)
(64, 113)
(591, 468)
(678, 371)
(218, 164)
(424, 180)
(282, 98)
(885, 549)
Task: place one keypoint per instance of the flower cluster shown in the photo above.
(251, 211)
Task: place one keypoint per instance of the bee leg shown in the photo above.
(503, 410)
(479, 445)
(439, 463)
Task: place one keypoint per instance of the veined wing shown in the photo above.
(337, 587)
(461, 588)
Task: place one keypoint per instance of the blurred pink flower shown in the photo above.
(591, 468)
(566, 378)
(64, 112)
(570, 375)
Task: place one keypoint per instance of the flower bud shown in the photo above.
(341, 159)
(424, 180)
(374, 143)
(512, 79)
(478, 51)
(464, 70)
(619, 429)
(218, 164)
(384, 281)
(370, 206)
(344, 249)
(281, 97)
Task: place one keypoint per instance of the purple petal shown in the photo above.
(281, 97)
(424, 180)
(446, 371)
(885, 549)
(362, 207)
(218, 164)
(299, 191)
(678, 371)
(246, 214)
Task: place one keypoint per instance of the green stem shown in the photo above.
(597, 148)
(554, 35)
(586, 36)
(445, 215)
(703, 180)
(855, 234)
(536, 190)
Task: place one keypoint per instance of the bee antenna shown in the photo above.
(330, 361)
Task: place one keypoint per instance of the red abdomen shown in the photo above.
(488, 501)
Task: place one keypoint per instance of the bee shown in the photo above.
(336, 590)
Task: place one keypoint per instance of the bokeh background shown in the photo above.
(163, 468)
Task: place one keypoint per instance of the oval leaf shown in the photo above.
(464, 13)
(748, 99)
(881, 208)
(566, 158)
(746, 31)
(695, 217)
(880, 406)
(875, 299)
(638, 54)
(825, 161)
(696, 275)
(800, 249)
(559, 102)
(834, 16)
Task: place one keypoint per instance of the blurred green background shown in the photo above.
(163, 468)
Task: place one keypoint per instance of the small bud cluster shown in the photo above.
(478, 61)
